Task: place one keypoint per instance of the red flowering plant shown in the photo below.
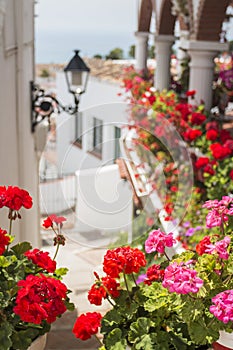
(206, 139)
(32, 294)
(181, 301)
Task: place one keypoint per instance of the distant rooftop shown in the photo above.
(110, 70)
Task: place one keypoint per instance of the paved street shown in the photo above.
(81, 261)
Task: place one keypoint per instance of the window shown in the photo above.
(117, 135)
(98, 137)
(78, 129)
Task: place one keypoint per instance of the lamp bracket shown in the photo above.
(44, 104)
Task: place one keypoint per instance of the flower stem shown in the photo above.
(167, 256)
(55, 255)
(10, 226)
(126, 285)
(110, 301)
(99, 341)
(132, 274)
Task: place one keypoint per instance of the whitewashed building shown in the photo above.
(18, 157)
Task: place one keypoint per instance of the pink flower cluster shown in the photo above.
(223, 306)
(219, 211)
(158, 240)
(180, 279)
(220, 248)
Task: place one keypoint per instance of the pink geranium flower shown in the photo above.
(220, 248)
(158, 240)
(223, 306)
(180, 279)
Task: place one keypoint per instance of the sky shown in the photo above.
(92, 26)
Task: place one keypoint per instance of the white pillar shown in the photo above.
(202, 55)
(163, 44)
(141, 50)
(182, 54)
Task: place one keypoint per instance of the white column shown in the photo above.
(163, 44)
(202, 55)
(182, 54)
(141, 50)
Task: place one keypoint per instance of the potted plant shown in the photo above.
(32, 294)
(180, 302)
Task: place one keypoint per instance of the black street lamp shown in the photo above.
(43, 104)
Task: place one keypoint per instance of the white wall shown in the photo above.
(99, 101)
(104, 200)
(17, 150)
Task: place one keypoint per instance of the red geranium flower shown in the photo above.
(42, 259)
(53, 219)
(224, 136)
(191, 134)
(102, 289)
(197, 118)
(123, 259)
(203, 245)
(231, 174)
(212, 134)
(4, 241)
(86, 325)
(96, 294)
(190, 93)
(14, 198)
(209, 169)
(219, 151)
(40, 298)
(154, 273)
(201, 162)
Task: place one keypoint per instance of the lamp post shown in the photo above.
(44, 104)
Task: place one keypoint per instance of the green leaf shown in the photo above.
(5, 334)
(6, 261)
(62, 271)
(139, 328)
(201, 334)
(112, 319)
(145, 343)
(114, 340)
(23, 339)
(21, 248)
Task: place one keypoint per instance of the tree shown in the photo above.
(44, 73)
(97, 56)
(131, 52)
(115, 54)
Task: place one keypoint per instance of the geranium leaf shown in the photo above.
(6, 261)
(139, 328)
(23, 339)
(5, 334)
(62, 271)
(21, 248)
(114, 340)
(145, 343)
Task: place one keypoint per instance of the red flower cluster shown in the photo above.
(14, 198)
(41, 259)
(220, 152)
(58, 220)
(102, 288)
(203, 245)
(206, 165)
(4, 241)
(197, 118)
(154, 273)
(40, 298)
(123, 259)
(191, 134)
(86, 325)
